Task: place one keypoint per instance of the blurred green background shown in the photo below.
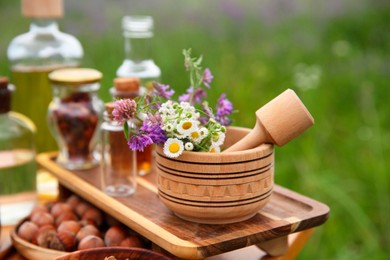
(334, 54)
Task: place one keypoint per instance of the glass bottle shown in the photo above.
(74, 116)
(138, 62)
(33, 55)
(118, 162)
(17, 160)
(130, 88)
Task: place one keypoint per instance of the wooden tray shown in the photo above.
(287, 212)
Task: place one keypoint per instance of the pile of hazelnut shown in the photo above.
(74, 224)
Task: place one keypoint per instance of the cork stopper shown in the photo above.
(130, 84)
(75, 76)
(126, 87)
(42, 8)
(3, 82)
(109, 108)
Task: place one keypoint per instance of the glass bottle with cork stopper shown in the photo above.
(118, 162)
(33, 55)
(74, 116)
(17, 164)
(130, 87)
(138, 62)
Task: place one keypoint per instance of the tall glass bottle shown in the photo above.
(33, 55)
(138, 62)
(17, 161)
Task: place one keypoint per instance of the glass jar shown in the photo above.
(118, 162)
(18, 191)
(32, 56)
(74, 116)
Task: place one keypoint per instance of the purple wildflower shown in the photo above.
(139, 142)
(154, 131)
(224, 109)
(163, 90)
(207, 77)
(192, 96)
(124, 110)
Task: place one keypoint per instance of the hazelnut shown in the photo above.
(65, 216)
(68, 240)
(55, 243)
(81, 208)
(42, 218)
(93, 215)
(131, 241)
(87, 230)
(45, 237)
(71, 226)
(39, 208)
(114, 236)
(90, 241)
(28, 230)
(59, 208)
(73, 201)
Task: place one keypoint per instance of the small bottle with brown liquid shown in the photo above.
(130, 88)
(118, 162)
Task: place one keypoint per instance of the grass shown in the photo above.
(337, 62)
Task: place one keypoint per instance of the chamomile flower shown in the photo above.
(195, 136)
(189, 146)
(217, 138)
(173, 147)
(203, 132)
(214, 149)
(185, 127)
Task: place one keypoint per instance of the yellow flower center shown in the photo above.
(212, 150)
(187, 125)
(174, 147)
(195, 135)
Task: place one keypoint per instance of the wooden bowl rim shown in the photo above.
(205, 156)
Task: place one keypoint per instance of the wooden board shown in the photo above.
(287, 212)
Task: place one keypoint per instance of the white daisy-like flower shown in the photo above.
(186, 126)
(195, 136)
(218, 138)
(203, 132)
(173, 147)
(189, 146)
(214, 149)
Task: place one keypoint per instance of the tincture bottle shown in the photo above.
(130, 87)
(33, 55)
(138, 62)
(118, 162)
(17, 160)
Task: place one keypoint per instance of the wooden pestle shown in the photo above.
(278, 122)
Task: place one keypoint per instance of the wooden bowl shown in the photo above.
(217, 188)
(32, 251)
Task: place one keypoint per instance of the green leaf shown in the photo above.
(126, 131)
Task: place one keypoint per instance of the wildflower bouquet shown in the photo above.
(189, 124)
